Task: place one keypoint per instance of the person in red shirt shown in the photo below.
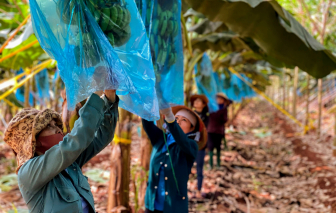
(216, 127)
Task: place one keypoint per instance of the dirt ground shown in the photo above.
(269, 167)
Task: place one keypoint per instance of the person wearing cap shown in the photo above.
(49, 164)
(200, 106)
(216, 127)
(172, 158)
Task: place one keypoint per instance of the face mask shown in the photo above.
(48, 141)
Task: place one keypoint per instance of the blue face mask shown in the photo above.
(220, 106)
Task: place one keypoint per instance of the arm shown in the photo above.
(37, 172)
(154, 133)
(104, 134)
(187, 145)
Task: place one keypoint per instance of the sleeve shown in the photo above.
(155, 134)
(187, 145)
(104, 133)
(37, 172)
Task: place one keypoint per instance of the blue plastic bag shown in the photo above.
(162, 20)
(205, 81)
(233, 87)
(20, 92)
(42, 84)
(98, 45)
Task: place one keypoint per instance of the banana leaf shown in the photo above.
(205, 27)
(273, 29)
(25, 58)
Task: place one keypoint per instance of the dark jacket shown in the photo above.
(183, 154)
(204, 115)
(217, 121)
(43, 182)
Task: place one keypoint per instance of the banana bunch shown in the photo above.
(114, 22)
(165, 28)
(111, 15)
(86, 54)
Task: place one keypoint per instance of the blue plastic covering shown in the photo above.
(162, 20)
(19, 94)
(98, 45)
(205, 81)
(233, 87)
(42, 84)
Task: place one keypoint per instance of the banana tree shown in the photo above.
(270, 26)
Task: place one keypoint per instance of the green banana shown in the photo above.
(110, 37)
(164, 45)
(152, 42)
(113, 12)
(169, 50)
(123, 37)
(114, 15)
(169, 14)
(159, 40)
(120, 15)
(148, 15)
(163, 57)
(124, 19)
(155, 26)
(158, 59)
(170, 27)
(172, 59)
(175, 31)
(164, 25)
(104, 22)
(128, 17)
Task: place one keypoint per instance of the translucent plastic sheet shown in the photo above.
(162, 20)
(233, 87)
(99, 45)
(205, 81)
(42, 84)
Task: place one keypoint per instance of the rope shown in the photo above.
(21, 83)
(19, 50)
(117, 140)
(268, 99)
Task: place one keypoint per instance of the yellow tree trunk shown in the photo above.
(145, 153)
(118, 194)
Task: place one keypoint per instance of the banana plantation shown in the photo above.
(150, 106)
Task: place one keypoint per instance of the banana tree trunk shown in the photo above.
(307, 102)
(118, 194)
(284, 91)
(145, 153)
(57, 94)
(296, 77)
(26, 94)
(319, 96)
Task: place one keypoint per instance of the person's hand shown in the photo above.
(99, 93)
(168, 113)
(110, 95)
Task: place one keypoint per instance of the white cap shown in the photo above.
(189, 115)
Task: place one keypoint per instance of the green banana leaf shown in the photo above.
(11, 18)
(205, 27)
(273, 29)
(25, 58)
